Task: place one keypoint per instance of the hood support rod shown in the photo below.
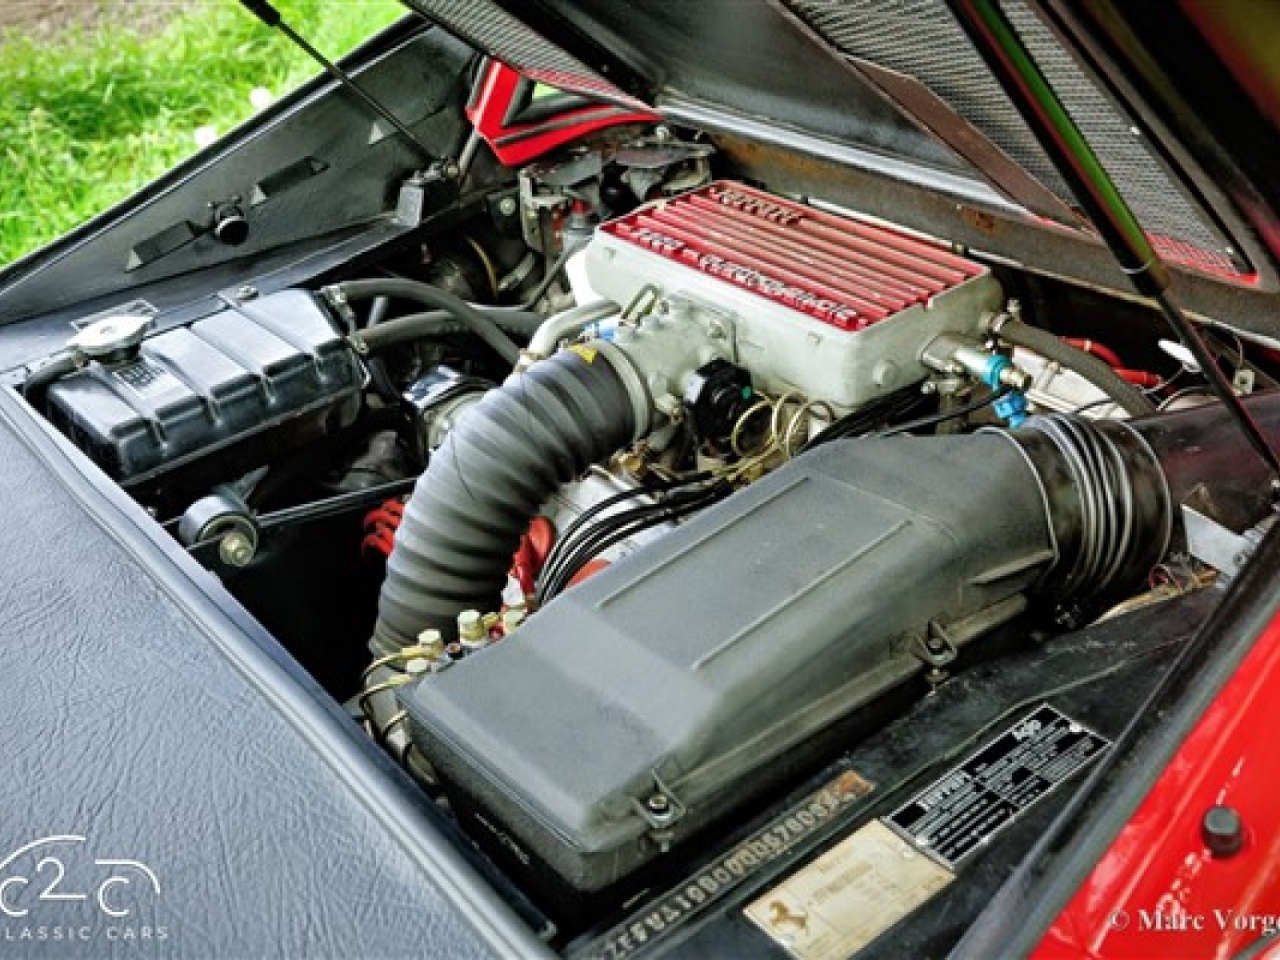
(1017, 72)
(269, 15)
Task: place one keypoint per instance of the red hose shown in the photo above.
(381, 523)
(380, 526)
(1140, 378)
(1097, 349)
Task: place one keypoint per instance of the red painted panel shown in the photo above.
(517, 144)
(1157, 893)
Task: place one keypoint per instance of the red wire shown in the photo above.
(1140, 378)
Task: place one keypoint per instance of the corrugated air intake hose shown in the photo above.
(486, 482)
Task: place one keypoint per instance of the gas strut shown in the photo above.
(269, 15)
(1004, 52)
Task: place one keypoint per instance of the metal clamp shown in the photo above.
(661, 810)
(935, 648)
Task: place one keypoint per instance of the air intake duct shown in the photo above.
(662, 693)
(489, 478)
(1108, 505)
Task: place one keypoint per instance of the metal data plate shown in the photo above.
(958, 815)
(845, 899)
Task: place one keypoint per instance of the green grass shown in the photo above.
(86, 121)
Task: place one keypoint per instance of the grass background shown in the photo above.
(95, 112)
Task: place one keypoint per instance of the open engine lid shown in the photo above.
(876, 80)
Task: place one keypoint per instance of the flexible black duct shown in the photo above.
(1132, 400)
(487, 481)
(1108, 502)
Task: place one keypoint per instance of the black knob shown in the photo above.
(230, 226)
(1222, 831)
(716, 396)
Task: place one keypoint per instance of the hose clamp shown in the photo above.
(642, 404)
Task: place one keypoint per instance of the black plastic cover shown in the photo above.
(244, 371)
(701, 666)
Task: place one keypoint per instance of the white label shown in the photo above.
(849, 896)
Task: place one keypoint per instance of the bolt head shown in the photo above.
(660, 808)
(246, 292)
(235, 550)
(230, 226)
(507, 206)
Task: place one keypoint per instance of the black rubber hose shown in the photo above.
(1132, 400)
(513, 319)
(475, 321)
(379, 375)
(437, 323)
(485, 484)
(549, 277)
(39, 379)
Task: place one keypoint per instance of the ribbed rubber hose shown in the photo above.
(1132, 400)
(487, 481)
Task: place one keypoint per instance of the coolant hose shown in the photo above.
(486, 483)
(475, 321)
(39, 379)
(551, 331)
(437, 323)
(1130, 399)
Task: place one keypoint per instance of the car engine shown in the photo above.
(611, 561)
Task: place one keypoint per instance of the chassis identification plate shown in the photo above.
(849, 896)
(958, 815)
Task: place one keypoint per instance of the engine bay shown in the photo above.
(626, 511)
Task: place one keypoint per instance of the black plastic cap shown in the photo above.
(230, 226)
(1222, 831)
